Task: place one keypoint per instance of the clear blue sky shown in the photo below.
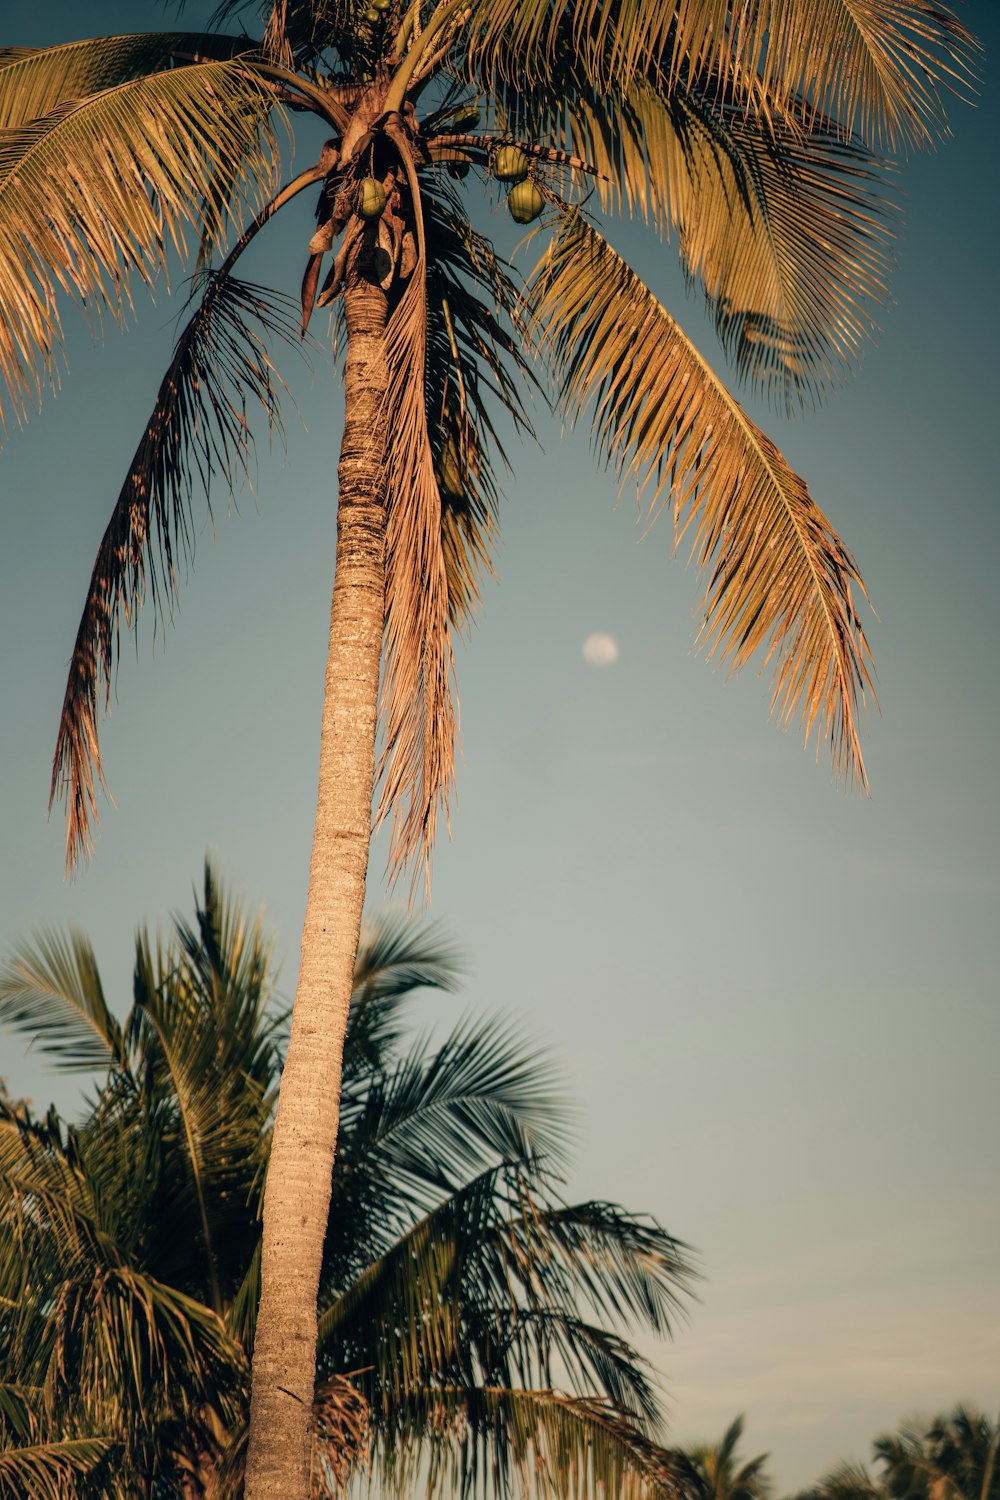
(775, 1002)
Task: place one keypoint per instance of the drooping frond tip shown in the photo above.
(198, 428)
(780, 581)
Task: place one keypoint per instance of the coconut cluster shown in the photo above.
(524, 200)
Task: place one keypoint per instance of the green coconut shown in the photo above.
(371, 198)
(525, 201)
(465, 118)
(371, 15)
(510, 164)
(381, 5)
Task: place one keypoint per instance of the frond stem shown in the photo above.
(321, 100)
(541, 153)
(419, 54)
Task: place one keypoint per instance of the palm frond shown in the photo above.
(400, 1318)
(780, 581)
(199, 428)
(395, 957)
(102, 189)
(474, 366)
(433, 1119)
(485, 1440)
(848, 1481)
(624, 1267)
(52, 992)
(786, 228)
(36, 80)
(49, 1202)
(50, 1471)
(415, 1131)
(417, 709)
(207, 1053)
(879, 69)
(530, 1347)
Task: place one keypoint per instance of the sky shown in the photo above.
(773, 1001)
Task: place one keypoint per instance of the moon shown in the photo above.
(600, 650)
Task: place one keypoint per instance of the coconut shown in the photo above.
(371, 15)
(510, 164)
(465, 118)
(381, 5)
(371, 198)
(525, 201)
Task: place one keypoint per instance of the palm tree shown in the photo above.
(721, 1475)
(952, 1457)
(750, 132)
(470, 1321)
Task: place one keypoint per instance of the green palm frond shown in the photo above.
(228, 961)
(529, 1347)
(103, 188)
(419, 1129)
(18, 1410)
(623, 1267)
(481, 1441)
(848, 1481)
(400, 1318)
(478, 1280)
(36, 80)
(436, 1117)
(877, 68)
(211, 1055)
(779, 580)
(51, 991)
(48, 1202)
(198, 429)
(50, 1471)
(395, 957)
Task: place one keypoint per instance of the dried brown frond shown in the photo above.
(418, 712)
(340, 1437)
(780, 581)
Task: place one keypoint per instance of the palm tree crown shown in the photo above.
(465, 1310)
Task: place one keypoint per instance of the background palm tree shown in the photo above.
(951, 1457)
(471, 1324)
(754, 142)
(722, 1475)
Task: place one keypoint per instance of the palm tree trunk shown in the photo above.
(297, 1196)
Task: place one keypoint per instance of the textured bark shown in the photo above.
(297, 1197)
